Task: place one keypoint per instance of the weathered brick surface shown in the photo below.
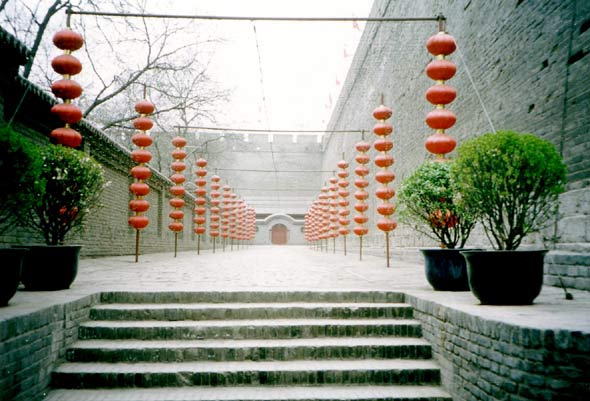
(31, 346)
(483, 359)
(529, 62)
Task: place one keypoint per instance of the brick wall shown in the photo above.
(530, 65)
(483, 359)
(32, 344)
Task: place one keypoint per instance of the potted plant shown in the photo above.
(512, 181)
(19, 167)
(73, 186)
(429, 203)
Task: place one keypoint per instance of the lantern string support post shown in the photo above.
(387, 247)
(136, 246)
(255, 18)
(361, 247)
(175, 243)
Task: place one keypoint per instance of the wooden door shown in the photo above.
(279, 234)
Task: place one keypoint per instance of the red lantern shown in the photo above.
(141, 172)
(67, 39)
(440, 70)
(66, 64)
(139, 189)
(384, 177)
(67, 137)
(441, 94)
(440, 143)
(67, 112)
(441, 44)
(176, 214)
(177, 178)
(143, 124)
(144, 107)
(441, 119)
(138, 222)
(177, 203)
(66, 89)
(139, 205)
(142, 140)
(141, 156)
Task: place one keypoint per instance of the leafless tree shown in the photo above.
(121, 57)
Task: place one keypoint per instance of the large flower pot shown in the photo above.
(11, 259)
(50, 267)
(445, 269)
(505, 277)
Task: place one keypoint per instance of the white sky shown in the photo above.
(301, 62)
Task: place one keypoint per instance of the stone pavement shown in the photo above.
(284, 268)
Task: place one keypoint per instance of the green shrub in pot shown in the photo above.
(428, 202)
(513, 182)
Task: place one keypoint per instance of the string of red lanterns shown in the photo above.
(343, 193)
(177, 190)
(325, 216)
(361, 195)
(440, 95)
(214, 209)
(384, 160)
(200, 201)
(225, 213)
(333, 209)
(140, 173)
(233, 208)
(66, 88)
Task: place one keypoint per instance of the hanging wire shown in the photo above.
(272, 153)
(483, 106)
(290, 131)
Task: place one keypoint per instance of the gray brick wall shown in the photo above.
(483, 359)
(530, 64)
(32, 344)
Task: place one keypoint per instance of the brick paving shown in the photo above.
(294, 268)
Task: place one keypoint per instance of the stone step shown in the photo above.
(249, 329)
(285, 373)
(258, 393)
(251, 296)
(248, 350)
(233, 311)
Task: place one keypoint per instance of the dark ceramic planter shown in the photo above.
(11, 260)
(445, 269)
(505, 277)
(50, 267)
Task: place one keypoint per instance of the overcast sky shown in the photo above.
(303, 64)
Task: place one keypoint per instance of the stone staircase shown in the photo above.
(249, 346)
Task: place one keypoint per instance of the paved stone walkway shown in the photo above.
(281, 268)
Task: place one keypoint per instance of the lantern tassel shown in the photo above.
(198, 244)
